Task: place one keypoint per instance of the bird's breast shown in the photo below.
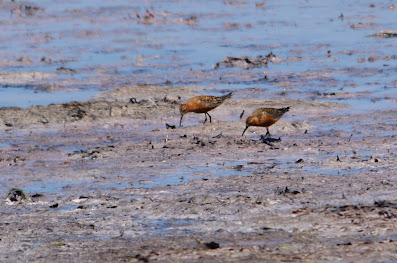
(197, 107)
(262, 121)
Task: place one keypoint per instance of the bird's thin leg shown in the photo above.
(205, 118)
(267, 132)
(180, 122)
(209, 116)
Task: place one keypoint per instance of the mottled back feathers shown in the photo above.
(265, 117)
(202, 104)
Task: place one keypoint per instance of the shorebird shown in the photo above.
(202, 104)
(265, 117)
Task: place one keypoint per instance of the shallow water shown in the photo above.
(108, 47)
(23, 97)
(186, 174)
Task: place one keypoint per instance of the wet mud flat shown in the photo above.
(105, 180)
(112, 178)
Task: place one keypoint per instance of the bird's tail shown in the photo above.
(284, 110)
(227, 96)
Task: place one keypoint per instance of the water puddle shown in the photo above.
(193, 173)
(279, 165)
(334, 172)
(166, 226)
(21, 97)
(120, 185)
(354, 162)
(5, 144)
(49, 187)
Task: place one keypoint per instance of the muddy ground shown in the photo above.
(112, 178)
(105, 180)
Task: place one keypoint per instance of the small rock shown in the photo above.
(212, 245)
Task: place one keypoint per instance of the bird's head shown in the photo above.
(250, 120)
(183, 108)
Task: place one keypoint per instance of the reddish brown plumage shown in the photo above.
(265, 117)
(202, 104)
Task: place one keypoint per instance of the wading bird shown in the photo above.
(265, 117)
(202, 104)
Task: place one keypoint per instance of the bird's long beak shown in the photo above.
(244, 130)
(180, 121)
